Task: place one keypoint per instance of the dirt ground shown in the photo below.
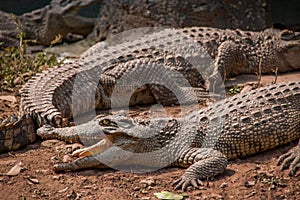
(255, 177)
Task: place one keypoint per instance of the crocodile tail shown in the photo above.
(17, 133)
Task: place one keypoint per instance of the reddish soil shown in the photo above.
(255, 177)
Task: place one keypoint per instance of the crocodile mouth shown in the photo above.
(119, 139)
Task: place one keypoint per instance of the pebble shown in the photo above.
(136, 188)
(148, 182)
(17, 81)
(63, 190)
(249, 184)
(57, 177)
(8, 98)
(34, 180)
(272, 187)
(67, 158)
(16, 169)
(223, 185)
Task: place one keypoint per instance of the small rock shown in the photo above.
(272, 187)
(136, 188)
(15, 170)
(88, 186)
(67, 158)
(144, 192)
(33, 180)
(135, 195)
(57, 177)
(145, 198)
(223, 185)
(63, 190)
(10, 98)
(54, 159)
(17, 81)
(257, 167)
(148, 182)
(249, 184)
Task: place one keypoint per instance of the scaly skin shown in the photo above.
(203, 140)
(109, 74)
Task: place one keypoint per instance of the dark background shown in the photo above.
(282, 12)
(19, 7)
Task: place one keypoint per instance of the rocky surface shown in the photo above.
(119, 15)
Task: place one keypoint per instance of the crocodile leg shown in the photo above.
(206, 162)
(80, 163)
(229, 58)
(290, 159)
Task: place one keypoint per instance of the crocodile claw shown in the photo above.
(184, 181)
(290, 159)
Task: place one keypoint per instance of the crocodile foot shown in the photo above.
(80, 163)
(290, 159)
(186, 180)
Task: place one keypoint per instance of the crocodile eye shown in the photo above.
(105, 122)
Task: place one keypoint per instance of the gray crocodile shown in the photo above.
(203, 140)
(105, 76)
(43, 25)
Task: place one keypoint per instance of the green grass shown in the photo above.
(234, 90)
(16, 67)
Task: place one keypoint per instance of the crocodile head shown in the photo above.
(128, 133)
(289, 48)
(120, 131)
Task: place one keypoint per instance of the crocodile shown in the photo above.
(45, 24)
(203, 140)
(58, 94)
